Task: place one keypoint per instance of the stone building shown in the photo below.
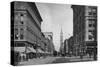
(91, 30)
(70, 45)
(84, 29)
(26, 29)
(49, 40)
(66, 46)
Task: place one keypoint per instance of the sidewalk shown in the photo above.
(77, 58)
(85, 58)
(38, 61)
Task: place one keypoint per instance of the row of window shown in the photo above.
(19, 45)
(18, 33)
(92, 34)
(92, 22)
(91, 25)
(19, 19)
(92, 13)
(91, 37)
(92, 9)
(79, 38)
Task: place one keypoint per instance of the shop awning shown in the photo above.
(19, 49)
(40, 51)
(29, 49)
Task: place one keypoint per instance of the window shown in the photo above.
(16, 19)
(21, 15)
(16, 33)
(21, 33)
(89, 10)
(90, 25)
(94, 25)
(22, 18)
(19, 44)
(21, 22)
(90, 13)
(90, 31)
(90, 37)
(93, 21)
(94, 10)
(95, 13)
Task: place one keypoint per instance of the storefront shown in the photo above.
(21, 52)
(31, 53)
(40, 53)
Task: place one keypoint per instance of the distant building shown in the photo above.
(70, 45)
(49, 40)
(61, 43)
(66, 46)
(84, 29)
(48, 35)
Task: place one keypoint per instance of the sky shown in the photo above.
(56, 16)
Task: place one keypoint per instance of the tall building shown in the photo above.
(84, 29)
(61, 42)
(78, 28)
(91, 29)
(26, 24)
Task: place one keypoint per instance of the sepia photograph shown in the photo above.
(50, 33)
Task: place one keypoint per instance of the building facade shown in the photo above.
(84, 29)
(91, 30)
(70, 46)
(78, 28)
(49, 40)
(66, 46)
(27, 29)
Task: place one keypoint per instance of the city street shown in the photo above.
(71, 59)
(49, 60)
(47, 36)
(38, 61)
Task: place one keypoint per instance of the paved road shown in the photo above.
(71, 59)
(38, 61)
(49, 60)
(61, 60)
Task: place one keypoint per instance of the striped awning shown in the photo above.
(19, 49)
(29, 49)
(40, 51)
